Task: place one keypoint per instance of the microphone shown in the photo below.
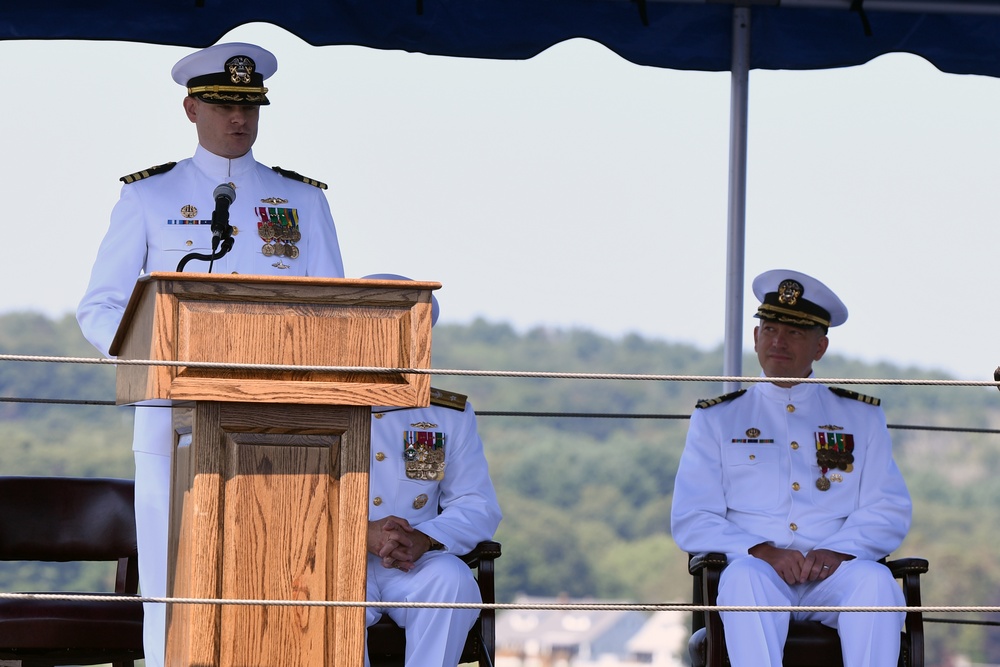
(224, 195)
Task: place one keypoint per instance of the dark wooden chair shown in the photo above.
(62, 519)
(387, 641)
(809, 643)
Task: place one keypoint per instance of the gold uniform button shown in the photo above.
(793, 526)
(378, 415)
(795, 445)
(377, 501)
(380, 456)
(189, 243)
(795, 486)
(790, 407)
(753, 457)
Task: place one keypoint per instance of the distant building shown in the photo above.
(584, 638)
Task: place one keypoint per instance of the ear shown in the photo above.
(821, 346)
(191, 108)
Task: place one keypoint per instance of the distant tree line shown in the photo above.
(586, 498)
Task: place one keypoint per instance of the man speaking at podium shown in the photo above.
(275, 221)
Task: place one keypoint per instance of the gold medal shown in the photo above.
(267, 249)
(823, 484)
(291, 251)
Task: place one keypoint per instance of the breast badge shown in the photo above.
(279, 229)
(423, 455)
(834, 451)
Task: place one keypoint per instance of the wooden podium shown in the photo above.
(270, 472)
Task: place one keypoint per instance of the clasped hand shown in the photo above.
(794, 568)
(396, 542)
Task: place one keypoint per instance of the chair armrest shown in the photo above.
(709, 560)
(903, 566)
(485, 550)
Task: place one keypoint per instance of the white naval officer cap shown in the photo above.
(794, 298)
(435, 309)
(230, 73)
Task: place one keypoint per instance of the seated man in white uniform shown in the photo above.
(430, 500)
(796, 483)
(281, 225)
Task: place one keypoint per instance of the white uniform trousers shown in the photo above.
(868, 639)
(434, 636)
(152, 516)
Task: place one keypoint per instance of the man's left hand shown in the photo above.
(820, 564)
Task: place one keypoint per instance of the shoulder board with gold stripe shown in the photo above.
(448, 399)
(847, 393)
(709, 402)
(287, 173)
(146, 173)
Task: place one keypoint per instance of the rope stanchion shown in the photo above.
(537, 606)
(495, 373)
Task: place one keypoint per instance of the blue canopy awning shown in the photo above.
(961, 36)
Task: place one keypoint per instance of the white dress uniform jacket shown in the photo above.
(749, 475)
(749, 470)
(156, 222)
(160, 219)
(428, 467)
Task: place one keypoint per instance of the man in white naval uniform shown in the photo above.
(796, 483)
(282, 226)
(430, 500)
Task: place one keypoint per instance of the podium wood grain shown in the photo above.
(270, 467)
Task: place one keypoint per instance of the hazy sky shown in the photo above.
(572, 189)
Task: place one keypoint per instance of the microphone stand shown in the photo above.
(221, 231)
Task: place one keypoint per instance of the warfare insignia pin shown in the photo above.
(831, 427)
(420, 501)
(189, 211)
(274, 200)
(753, 432)
(789, 292)
(281, 265)
(423, 425)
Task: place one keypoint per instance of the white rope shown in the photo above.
(540, 606)
(488, 373)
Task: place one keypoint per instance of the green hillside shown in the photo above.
(586, 499)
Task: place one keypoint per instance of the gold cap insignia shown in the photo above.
(240, 69)
(789, 292)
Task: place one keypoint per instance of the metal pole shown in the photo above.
(736, 244)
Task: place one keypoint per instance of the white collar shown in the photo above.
(220, 168)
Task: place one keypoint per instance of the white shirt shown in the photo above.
(749, 470)
(161, 218)
(469, 511)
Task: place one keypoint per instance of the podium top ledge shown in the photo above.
(283, 280)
